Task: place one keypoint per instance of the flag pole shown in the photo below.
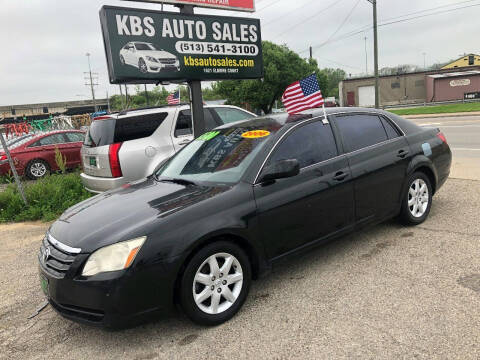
(325, 120)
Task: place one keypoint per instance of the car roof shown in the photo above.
(164, 108)
(286, 120)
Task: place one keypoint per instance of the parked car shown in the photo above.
(331, 102)
(34, 156)
(232, 204)
(146, 58)
(129, 145)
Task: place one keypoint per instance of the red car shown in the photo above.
(34, 156)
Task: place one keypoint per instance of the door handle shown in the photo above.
(402, 153)
(184, 142)
(339, 176)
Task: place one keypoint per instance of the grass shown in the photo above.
(47, 198)
(438, 109)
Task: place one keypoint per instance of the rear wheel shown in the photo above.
(37, 169)
(215, 283)
(417, 201)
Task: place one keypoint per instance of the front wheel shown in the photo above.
(142, 66)
(417, 201)
(215, 283)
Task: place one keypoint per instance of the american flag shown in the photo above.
(174, 98)
(302, 95)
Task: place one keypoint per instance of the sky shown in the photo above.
(45, 41)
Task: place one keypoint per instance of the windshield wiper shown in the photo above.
(176, 181)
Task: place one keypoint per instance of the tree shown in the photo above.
(334, 77)
(282, 67)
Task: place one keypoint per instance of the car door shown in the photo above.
(45, 148)
(183, 133)
(316, 203)
(378, 156)
(72, 147)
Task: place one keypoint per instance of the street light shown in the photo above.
(375, 50)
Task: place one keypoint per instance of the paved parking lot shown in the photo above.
(387, 292)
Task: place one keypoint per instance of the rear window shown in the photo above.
(109, 131)
(137, 127)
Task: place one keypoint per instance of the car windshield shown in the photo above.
(220, 156)
(144, 46)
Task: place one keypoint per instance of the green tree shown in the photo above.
(334, 77)
(282, 67)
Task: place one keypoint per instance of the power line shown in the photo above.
(288, 14)
(365, 28)
(309, 18)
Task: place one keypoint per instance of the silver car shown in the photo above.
(129, 145)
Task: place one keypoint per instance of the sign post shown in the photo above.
(12, 167)
(195, 88)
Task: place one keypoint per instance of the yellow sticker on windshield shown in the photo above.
(255, 134)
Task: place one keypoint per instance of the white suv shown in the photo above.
(129, 145)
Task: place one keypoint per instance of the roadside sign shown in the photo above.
(471, 95)
(147, 46)
(236, 5)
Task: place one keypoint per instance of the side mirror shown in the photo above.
(280, 169)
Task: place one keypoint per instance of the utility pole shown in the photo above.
(366, 57)
(12, 167)
(196, 101)
(375, 50)
(90, 82)
(311, 53)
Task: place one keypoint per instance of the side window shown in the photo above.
(137, 127)
(360, 131)
(184, 122)
(50, 140)
(228, 115)
(391, 131)
(309, 144)
(75, 137)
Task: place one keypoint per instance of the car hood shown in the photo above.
(156, 54)
(130, 211)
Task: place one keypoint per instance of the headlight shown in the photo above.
(152, 59)
(113, 257)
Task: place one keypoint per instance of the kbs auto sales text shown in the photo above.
(181, 29)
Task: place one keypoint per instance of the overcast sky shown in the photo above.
(45, 41)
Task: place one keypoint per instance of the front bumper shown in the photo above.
(154, 67)
(113, 299)
(97, 184)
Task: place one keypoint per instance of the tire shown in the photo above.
(142, 66)
(417, 200)
(199, 278)
(122, 59)
(37, 169)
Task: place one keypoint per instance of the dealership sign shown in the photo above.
(237, 5)
(145, 46)
(461, 82)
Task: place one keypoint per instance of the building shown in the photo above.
(464, 61)
(411, 88)
(44, 110)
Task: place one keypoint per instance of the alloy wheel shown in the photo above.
(418, 198)
(143, 66)
(217, 283)
(38, 169)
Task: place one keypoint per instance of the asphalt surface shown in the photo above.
(388, 292)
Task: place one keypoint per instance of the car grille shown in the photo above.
(168, 61)
(54, 260)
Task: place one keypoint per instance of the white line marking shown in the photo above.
(428, 124)
(465, 149)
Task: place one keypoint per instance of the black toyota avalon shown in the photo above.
(229, 206)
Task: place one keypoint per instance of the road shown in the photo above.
(389, 292)
(463, 136)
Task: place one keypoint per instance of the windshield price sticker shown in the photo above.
(147, 46)
(254, 134)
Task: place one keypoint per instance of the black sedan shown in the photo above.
(229, 206)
